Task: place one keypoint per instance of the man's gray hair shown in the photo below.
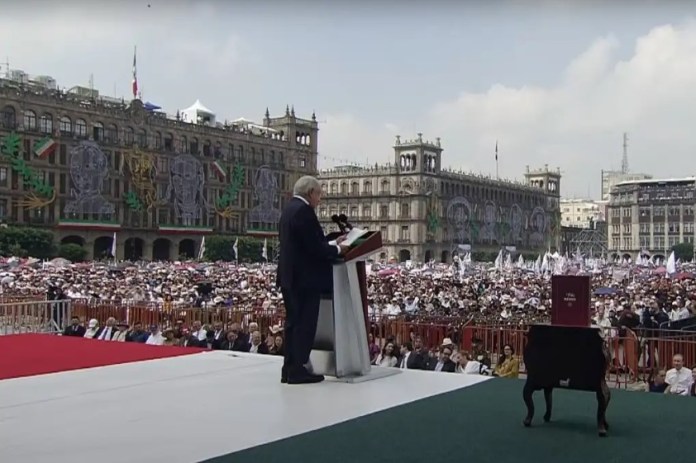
(305, 185)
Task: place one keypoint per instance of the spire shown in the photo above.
(314, 116)
(292, 111)
(268, 115)
(624, 159)
(287, 110)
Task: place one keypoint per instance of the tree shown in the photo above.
(220, 247)
(25, 241)
(683, 251)
(73, 252)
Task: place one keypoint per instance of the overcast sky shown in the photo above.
(553, 82)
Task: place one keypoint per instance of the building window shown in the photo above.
(405, 233)
(383, 211)
(644, 228)
(405, 211)
(659, 243)
(29, 120)
(322, 212)
(334, 188)
(673, 241)
(659, 211)
(65, 125)
(344, 188)
(142, 138)
(367, 187)
(354, 211)
(616, 229)
(627, 244)
(384, 232)
(658, 228)
(46, 124)
(688, 227)
(627, 228)
(3, 176)
(81, 128)
(645, 212)
(673, 227)
(366, 211)
(354, 188)
(644, 242)
(615, 243)
(98, 131)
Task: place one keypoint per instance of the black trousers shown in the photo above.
(301, 317)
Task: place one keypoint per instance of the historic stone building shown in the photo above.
(426, 212)
(651, 216)
(89, 166)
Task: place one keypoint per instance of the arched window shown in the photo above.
(8, 117)
(81, 128)
(29, 120)
(46, 123)
(98, 131)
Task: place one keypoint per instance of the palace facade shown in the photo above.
(425, 212)
(88, 166)
(650, 216)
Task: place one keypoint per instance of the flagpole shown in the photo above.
(497, 177)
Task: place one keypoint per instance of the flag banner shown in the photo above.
(44, 147)
(219, 169)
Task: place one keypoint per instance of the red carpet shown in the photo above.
(38, 354)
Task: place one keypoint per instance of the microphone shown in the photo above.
(344, 221)
(337, 220)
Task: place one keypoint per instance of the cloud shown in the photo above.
(343, 139)
(575, 124)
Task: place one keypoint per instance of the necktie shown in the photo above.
(403, 362)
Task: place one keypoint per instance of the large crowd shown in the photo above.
(625, 295)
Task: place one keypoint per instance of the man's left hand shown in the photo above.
(340, 239)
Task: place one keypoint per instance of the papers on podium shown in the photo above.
(353, 235)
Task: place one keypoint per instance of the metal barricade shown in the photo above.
(34, 317)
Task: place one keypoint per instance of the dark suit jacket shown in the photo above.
(263, 348)
(77, 331)
(305, 254)
(418, 360)
(448, 367)
(101, 330)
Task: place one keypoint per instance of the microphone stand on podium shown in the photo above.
(340, 345)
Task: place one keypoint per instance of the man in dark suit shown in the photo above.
(445, 363)
(304, 274)
(75, 329)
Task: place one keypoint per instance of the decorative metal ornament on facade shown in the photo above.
(186, 186)
(143, 172)
(89, 167)
(266, 193)
(459, 217)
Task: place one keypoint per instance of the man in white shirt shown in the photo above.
(155, 338)
(679, 379)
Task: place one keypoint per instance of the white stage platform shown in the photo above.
(185, 409)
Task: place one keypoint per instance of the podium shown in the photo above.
(340, 344)
(570, 300)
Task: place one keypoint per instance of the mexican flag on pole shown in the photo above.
(44, 147)
(219, 169)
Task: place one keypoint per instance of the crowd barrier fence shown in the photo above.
(634, 354)
(34, 316)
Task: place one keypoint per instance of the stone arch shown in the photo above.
(444, 256)
(428, 256)
(187, 248)
(133, 249)
(661, 257)
(614, 255)
(404, 255)
(162, 249)
(626, 256)
(73, 239)
(102, 247)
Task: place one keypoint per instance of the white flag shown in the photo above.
(234, 248)
(113, 246)
(264, 253)
(201, 250)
